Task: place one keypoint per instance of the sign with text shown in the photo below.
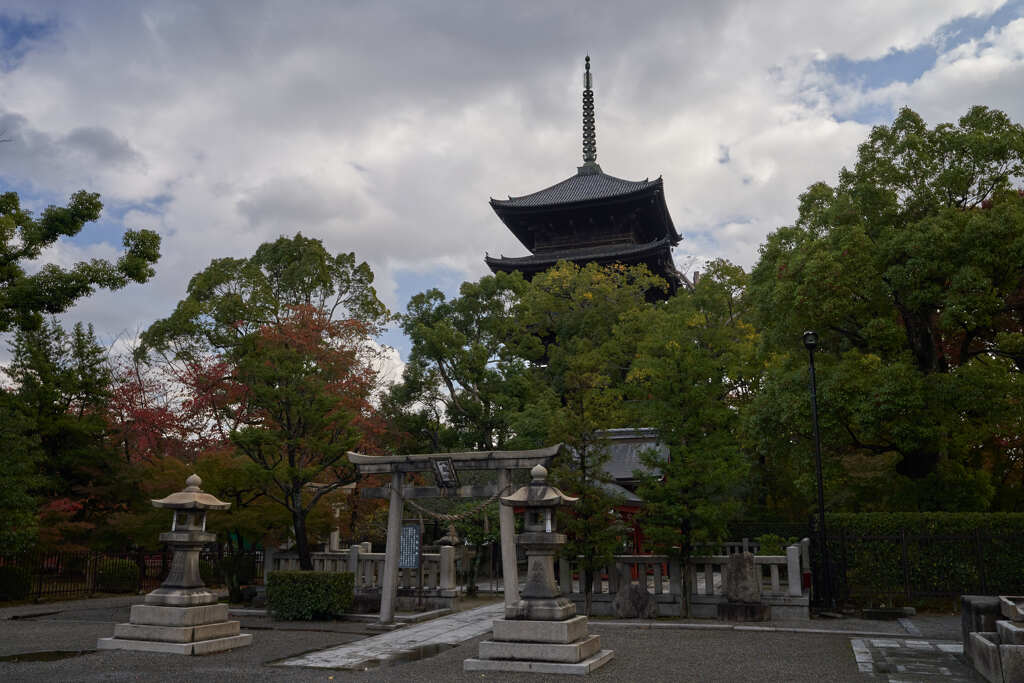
(409, 547)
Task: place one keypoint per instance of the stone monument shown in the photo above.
(743, 591)
(182, 616)
(541, 632)
(999, 655)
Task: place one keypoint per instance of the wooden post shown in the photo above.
(507, 524)
(389, 587)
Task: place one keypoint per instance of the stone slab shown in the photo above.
(528, 631)
(156, 615)
(1010, 633)
(163, 634)
(144, 646)
(579, 669)
(1012, 607)
(204, 647)
(570, 653)
(985, 656)
(177, 634)
(1011, 657)
(208, 647)
(181, 597)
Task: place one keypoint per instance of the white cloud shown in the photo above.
(384, 128)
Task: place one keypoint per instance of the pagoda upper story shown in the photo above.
(591, 216)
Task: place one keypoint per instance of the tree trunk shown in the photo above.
(301, 541)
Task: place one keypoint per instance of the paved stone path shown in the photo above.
(900, 660)
(426, 638)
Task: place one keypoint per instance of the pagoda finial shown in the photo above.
(589, 136)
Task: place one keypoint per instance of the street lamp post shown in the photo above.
(811, 344)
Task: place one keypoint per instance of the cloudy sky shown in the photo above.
(384, 127)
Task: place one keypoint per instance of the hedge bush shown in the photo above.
(303, 596)
(15, 583)
(117, 576)
(946, 552)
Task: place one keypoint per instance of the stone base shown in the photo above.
(179, 616)
(744, 611)
(203, 647)
(553, 609)
(523, 631)
(181, 597)
(578, 669)
(549, 647)
(570, 653)
(198, 630)
(997, 660)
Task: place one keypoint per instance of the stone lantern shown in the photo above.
(184, 585)
(182, 616)
(541, 598)
(541, 633)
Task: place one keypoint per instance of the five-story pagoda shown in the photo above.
(591, 216)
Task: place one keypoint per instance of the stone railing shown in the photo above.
(782, 582)
(661, 575)
(368, 569)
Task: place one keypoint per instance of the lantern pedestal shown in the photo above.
(541, 633)
(182, 616)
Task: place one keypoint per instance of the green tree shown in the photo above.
(19, 480)
(25, 298)
(292, 325)
(61, 390)
(693, 371)
(578, 372)
(460, 360)
(910, 269)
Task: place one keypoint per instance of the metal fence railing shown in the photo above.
(56, 575)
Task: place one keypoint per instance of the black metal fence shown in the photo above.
(56, 575)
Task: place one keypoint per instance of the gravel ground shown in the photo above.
(648, 654)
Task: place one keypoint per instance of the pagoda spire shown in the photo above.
(589, 135)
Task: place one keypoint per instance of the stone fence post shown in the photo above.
(447, 569)
(353, 559)
(793, 576)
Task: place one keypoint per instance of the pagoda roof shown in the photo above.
(630, 252)
(589, 184)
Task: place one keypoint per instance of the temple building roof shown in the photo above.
(615, 252)
(581, 187)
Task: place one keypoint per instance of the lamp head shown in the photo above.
(810, 340)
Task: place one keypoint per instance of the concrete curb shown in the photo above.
(760, 629)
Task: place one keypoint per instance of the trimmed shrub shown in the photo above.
(946, 552)
(117, 576)
(303, 596)
(15, 583)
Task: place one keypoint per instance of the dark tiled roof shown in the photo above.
(608, 251)
(581, 187)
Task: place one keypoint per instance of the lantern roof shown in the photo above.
(191, 498)
(537, 493)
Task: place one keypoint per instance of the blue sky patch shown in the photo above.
(906, 66)
(18, 34)
(410, 283)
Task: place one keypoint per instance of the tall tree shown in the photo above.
(910, 269)
(293, 326)
(61, 389)
(566, 325)
(459, 359)
(693, 372)
(25, 298)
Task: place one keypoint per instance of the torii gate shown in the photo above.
(399, 465)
